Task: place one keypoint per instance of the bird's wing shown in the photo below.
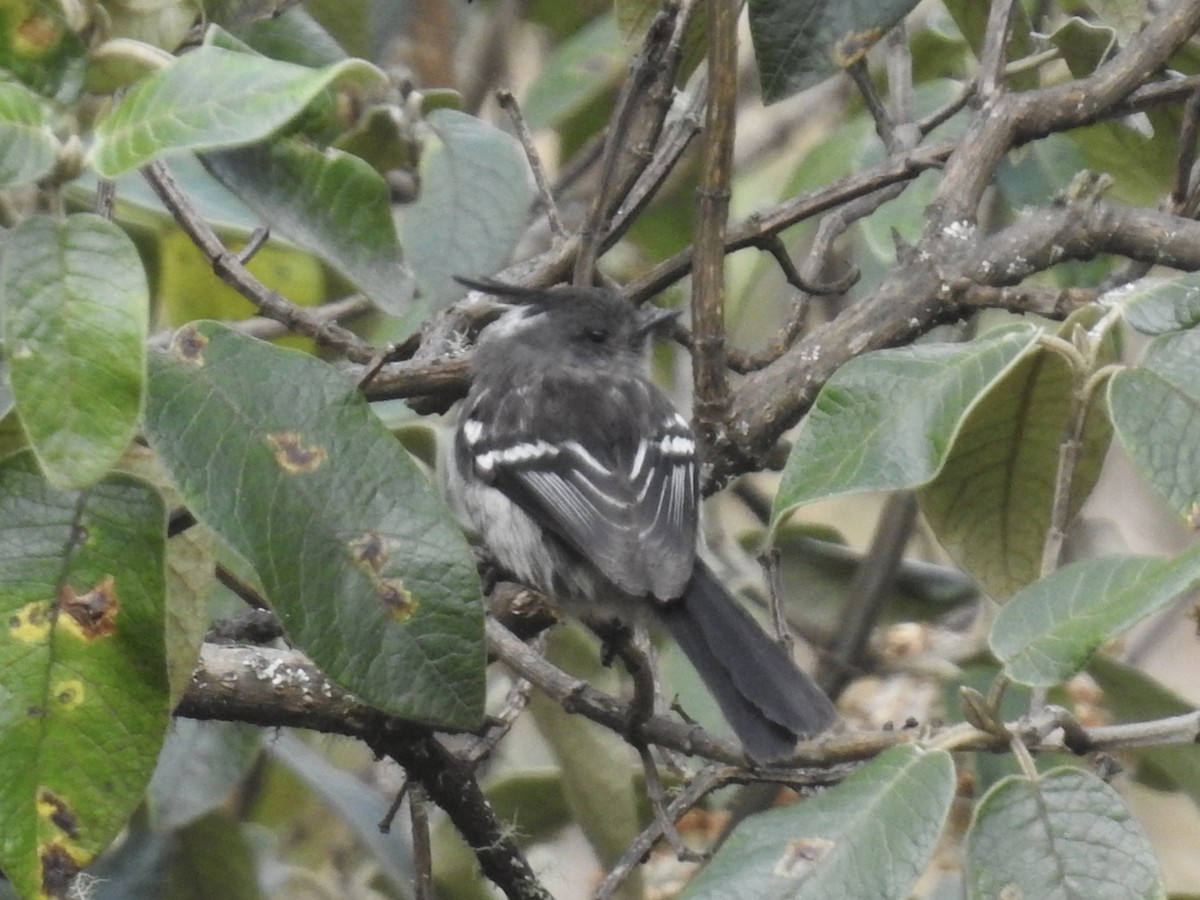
(618, 485)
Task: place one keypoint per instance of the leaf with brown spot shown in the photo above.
(31, 623)
(69, 692)
(801, 855)
(293, 456)
(358, 555)
(95, 610)
(798, 43)
(398, 602)
(188, 344)
(843, 842)
(370, 550)
(93, 695)
(59, 869)
(59, 814)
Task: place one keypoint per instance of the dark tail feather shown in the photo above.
(767, 700)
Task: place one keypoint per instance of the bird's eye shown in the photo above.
(595, 335)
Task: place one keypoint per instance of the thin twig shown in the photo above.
(1068, 455)
(770, 566)
(385, 824)
(106, 198)
(500, 724)
(677, 136)
(991, 62)
(794, 210)
(1183, 191)
(244, 591)
(265, 329)
(943, 114)
(1064, 476)
(258, 238)
(634, 128)
(806, 282)
(422, 844)
(899, 74)
(227, 266)
(707, 781)
(577, 695)
(509, 104)
(454, 788)
(883, 123)
(658, 802)
(709, 374)
(904, 167)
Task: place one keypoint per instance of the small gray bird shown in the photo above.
(582, 480)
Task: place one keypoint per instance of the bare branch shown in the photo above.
(635, 126)
(992, 59)
(709, 375)
(233, 272)
(509, 103)
(921, 294)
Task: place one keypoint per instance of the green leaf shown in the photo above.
(1083, 45)
(1065, 836)
(475, 194)
(990, 505)
(1037, 171)
(1159, 305)
(118, 63)
(75, 322)
(1048, 631)
(283, 458)
(329, 202)
(1109, 146)
(1155, 409)
(1125, 16)
(28, 147)
(845, 842)
(191, 559)
(798, 43)
(887, 420)
(293, 36)
(211, 99)
(83, 680)
(190, 563)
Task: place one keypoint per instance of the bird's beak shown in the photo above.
(656, 319)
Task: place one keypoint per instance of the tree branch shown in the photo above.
(709, 374)
(273, 688)
(633, 132)
(232, 270)
(920, 294)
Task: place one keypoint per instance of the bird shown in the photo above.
(581, 479)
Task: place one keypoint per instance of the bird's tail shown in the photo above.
(767, 700)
